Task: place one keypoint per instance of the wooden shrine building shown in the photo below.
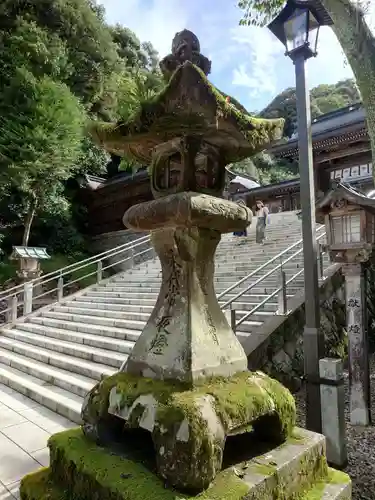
(341, 150)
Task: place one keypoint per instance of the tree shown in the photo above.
(353, 33)
(246, 167)
(79, 25)
(41, 122)
(266, 169)
(323, 99)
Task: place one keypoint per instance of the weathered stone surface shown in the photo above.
(189, 104)
(295, 470)
(189, 427)
(187, 336)
(188, 210)
(333, 411)
(358, 346)
(289, 337)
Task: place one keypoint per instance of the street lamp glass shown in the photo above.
(346, 229)
(301, 30)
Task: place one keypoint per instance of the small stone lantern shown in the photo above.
(349, 217)
(29, 259)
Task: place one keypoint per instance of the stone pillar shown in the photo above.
(332, 394)
(360, 413)
(27, 298)
(187, 335)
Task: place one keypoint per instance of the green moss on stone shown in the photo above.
(264, 469)
(156, 121)
(89, 472)
(40, 486)
(239, 400)
(333, 477)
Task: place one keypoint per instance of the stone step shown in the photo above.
(109, 307)
(83, 345)
(113, 332)
(95, 320)
(259, 315)
(247, 326)
(76, 384)
(229, 274)
(104, 301)
(56, 399)
(152, 294)
(126, 316)
(127, 291)
(84, 367)
(141, 317)
(102, 298)
(272, 280)
(147, 306)
(233, 262)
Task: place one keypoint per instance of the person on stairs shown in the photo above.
(262, 217)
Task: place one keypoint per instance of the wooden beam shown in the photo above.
(341, 153)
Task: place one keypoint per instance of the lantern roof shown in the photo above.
(189, 105)
(314, 6)
(341, 191)
(20, 252)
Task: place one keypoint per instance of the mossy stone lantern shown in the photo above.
(187, 135)
(349, 217)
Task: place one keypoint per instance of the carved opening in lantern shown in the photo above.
(167, 175)
(208, 176)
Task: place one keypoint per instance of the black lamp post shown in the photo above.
(297, 27)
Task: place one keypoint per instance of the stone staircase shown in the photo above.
(56, 354)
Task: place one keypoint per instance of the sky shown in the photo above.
(248, 63)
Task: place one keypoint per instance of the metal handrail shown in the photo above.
(76, 266)
(11, 296)
(263, 266)
(282, 288)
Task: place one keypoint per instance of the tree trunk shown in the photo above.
(358, 43)
(29, 220)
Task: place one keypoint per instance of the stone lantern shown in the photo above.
(186, 381)
(185, 393)
(29, 260)
(349, 217)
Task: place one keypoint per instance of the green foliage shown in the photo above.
(266, 169)
(259, 12)
(324, 98)
(353, 33)
(89, 45)
(60, 63)
(92, 159)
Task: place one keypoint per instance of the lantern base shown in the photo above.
(189, 427)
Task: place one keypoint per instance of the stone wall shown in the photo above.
(109, 241)
(281, 354)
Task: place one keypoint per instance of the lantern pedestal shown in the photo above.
(360, 404)
(187, 336)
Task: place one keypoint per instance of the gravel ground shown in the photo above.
(361, 445)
